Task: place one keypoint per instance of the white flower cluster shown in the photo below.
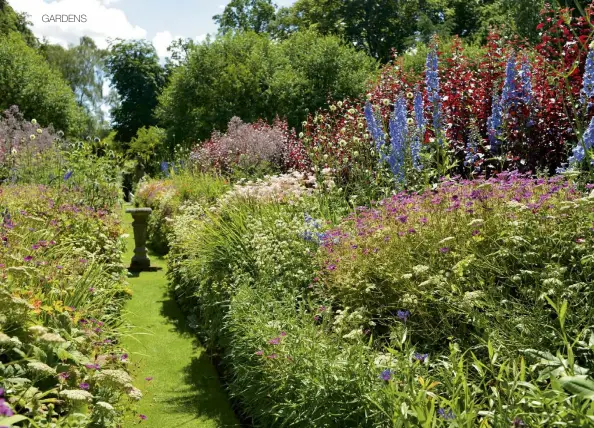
(9, 342)
(116, 377)
(40, 368)
(285, 188)
(76, 395)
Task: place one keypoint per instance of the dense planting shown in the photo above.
(61, 292)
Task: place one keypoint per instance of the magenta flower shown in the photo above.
(273, 356)
(5, 409)
(332, 267)
(124, 357)
(444, 250)
(84, 386)
(283, 333)
(143, 417)
(274, 341)
(386, 375)
(148, 379)
(580, 240)
(64, 375)
(259, 353)
(93, 366)
(28, 258)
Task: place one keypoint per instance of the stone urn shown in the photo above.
(140, 261)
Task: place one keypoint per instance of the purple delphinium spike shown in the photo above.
(416, 143)
(526, 79)
(587, 91)
(398, 134)
(432, 82)
(509, 95)
(494, 124)
(375, 127)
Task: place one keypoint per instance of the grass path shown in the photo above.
(185, 389)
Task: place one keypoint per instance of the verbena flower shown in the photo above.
(5, 409)
(398, 134)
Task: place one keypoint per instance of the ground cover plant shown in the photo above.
(61, 292)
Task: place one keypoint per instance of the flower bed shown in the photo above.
(464, 305)
(61, 292)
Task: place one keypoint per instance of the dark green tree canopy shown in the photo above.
(246, 15)
(40, 92)
(138, 78)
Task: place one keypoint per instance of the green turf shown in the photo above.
(184, 390)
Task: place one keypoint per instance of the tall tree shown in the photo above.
(11, 21)
(83, 68)
(27, 80)
(138, 78)
(246, 15)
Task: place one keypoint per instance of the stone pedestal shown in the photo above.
(140, 261)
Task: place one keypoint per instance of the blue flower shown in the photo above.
(526, 79)
(579, 151)
(420, 357)
(403, 315)
(416, 143)
(398, 134)
(68, 175)
(307, 235)
(386, 375)
(509, 96)
(449, 415)
(375, 127)
(432, 82)
(587, 91)
(471, 152)
(165, 167)
(494, 124)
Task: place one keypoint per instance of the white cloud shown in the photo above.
(102, 21)
(161, 42)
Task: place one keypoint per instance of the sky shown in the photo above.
(156, 20)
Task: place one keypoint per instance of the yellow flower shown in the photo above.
(39, 131)
(32, 137)
(386, 102)
(409, 95)
(410, 121)
(34, 122)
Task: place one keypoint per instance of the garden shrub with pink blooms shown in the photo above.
(61, 290)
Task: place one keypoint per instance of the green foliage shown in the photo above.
(11, 21)
(302, 344)
(170, 196)
(148, 147)
(248, 76)
(62, 290)
(138, 78)
(82, 67)
(40, 92)
(246, 15)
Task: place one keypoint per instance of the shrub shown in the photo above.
(250, 149)
(167, 197)
(62, 290)
(30, 153)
